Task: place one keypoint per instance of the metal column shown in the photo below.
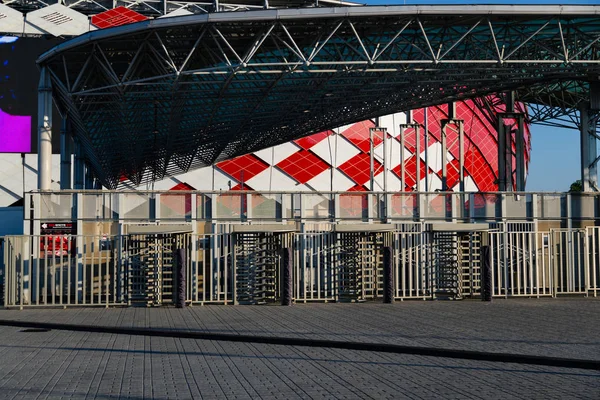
(417, 154)
(501, 156)
(45, 131)
(371, 162)
(452, 120)
(444, 159)
(66, 150)
(520, 152)
(79, 167)
(589, 153)
(505, 141)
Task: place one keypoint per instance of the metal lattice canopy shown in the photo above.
(159, 97)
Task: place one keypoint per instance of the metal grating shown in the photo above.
(199, 92)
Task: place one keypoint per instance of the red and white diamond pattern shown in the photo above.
(339, 160)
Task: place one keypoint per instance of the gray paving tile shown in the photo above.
(76, 365)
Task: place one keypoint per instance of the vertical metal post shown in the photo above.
(286, 275)
(385, 159)
(520, 150)
(402, 168)
(444, 158)
(65, 156)
(88, 177)
(418, 154)
(426, 136)
(44, 131)
(501, 156)
(589, 172)
(388, 275)
(79, 167)
(371, 161)
(461, 156)
(508, 159)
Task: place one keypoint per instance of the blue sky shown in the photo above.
(554, 151)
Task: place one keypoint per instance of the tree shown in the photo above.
(576, 186)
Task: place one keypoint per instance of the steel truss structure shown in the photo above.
(157, 8)
(159, 97)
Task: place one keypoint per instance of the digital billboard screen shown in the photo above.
(19, 78)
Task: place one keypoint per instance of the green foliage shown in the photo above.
(576, 186)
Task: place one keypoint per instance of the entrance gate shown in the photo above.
(360, 262)
(258, 251)
(150, 267)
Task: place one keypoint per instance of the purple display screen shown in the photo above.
(19, 78)
(15, 133)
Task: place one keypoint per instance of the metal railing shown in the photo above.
(80, 270)
(254, 207)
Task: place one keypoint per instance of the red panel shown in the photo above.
(182, 186)
(481, 143)
(173, 201)
(410, 173)
(239, 187)
(243, 168)
(358, 168)
(115, 17)
(303, 166)
(452, 175)
(358, 135)
(309, 141)
(357, 188)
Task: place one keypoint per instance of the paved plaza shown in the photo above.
(65, 364)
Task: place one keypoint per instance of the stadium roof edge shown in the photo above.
(294, 13)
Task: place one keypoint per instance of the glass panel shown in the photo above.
(436, 206)
(486, 205)
(135, 206)
(316, 205)
(582, 206)
(203, 206)
(97, 206)
(550, 205)
(516, 206)
(354, 206)
(404, 206)
(56, 206)
(230, 205)
(266, 206)
(175, 206)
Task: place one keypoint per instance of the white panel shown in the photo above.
(394, 184)
(11, 176)
(341, 150)
(434, 155)
(435, 183)
(274, 155)
(177, 13)
(341, 129)
(199, 179)
(324, 183)
(11, 21)
(262, 181)
(392, 123)
(470, 185)
(164, 184)
(393, 153)
(222, 181)
(59, 20)
(281, 182)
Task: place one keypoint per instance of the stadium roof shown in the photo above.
(158, 97)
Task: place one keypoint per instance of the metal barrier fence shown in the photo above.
(230, 206)
(233, 268)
